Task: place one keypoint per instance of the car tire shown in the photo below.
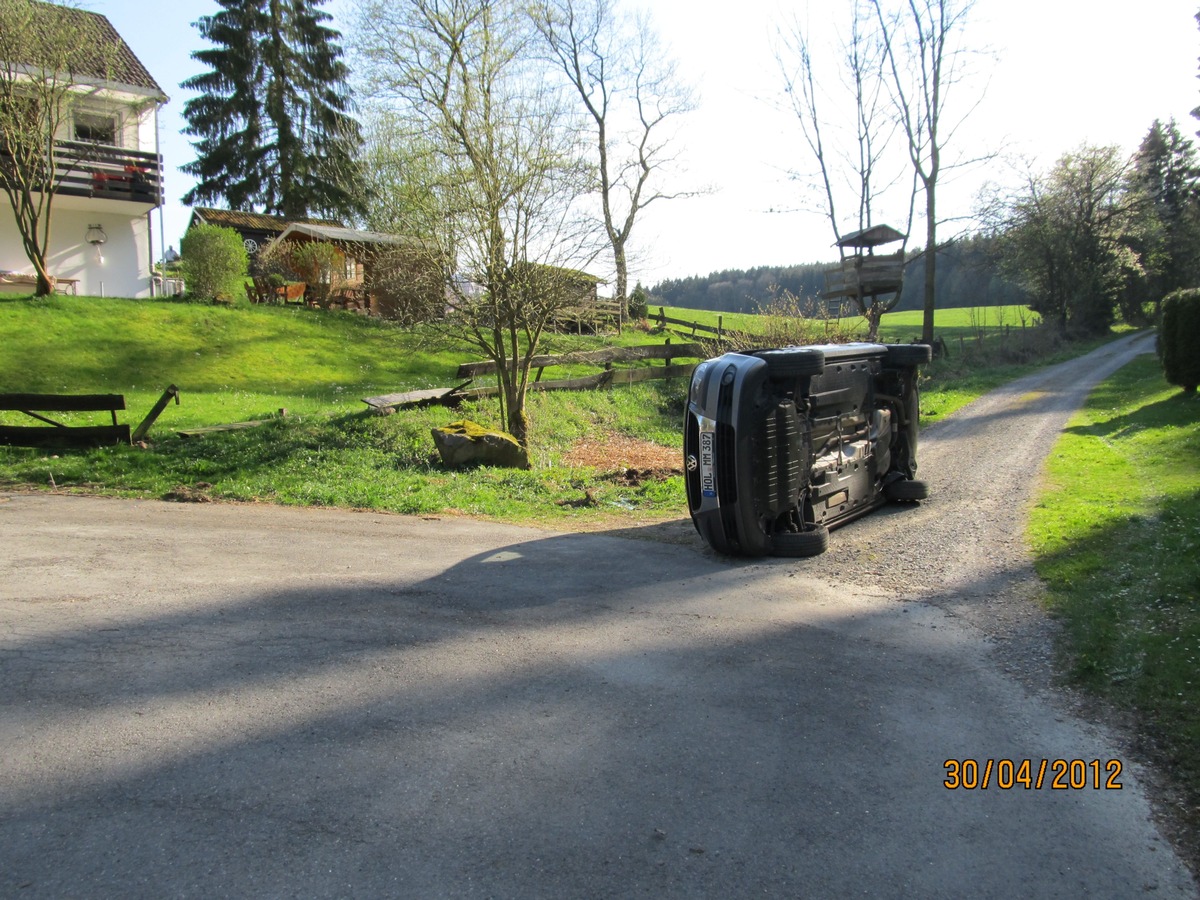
(801, 543)
(905, 491)
(796, 362)
(909, 355)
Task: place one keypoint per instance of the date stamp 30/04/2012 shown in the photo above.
(1033, 774)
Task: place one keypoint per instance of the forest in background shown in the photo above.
(967, 275)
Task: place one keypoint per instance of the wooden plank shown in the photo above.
(156, 411)
(409, 398)
(213, 429)
(63, 402)
(83, 436)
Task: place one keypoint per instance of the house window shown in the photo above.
(96, 129)
(351, 273)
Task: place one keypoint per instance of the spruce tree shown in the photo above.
(1166, 182)
(273, 124)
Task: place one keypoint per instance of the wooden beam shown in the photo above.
(152, 416)
(213, 429)
(409, 399)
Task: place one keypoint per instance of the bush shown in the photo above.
(639, 303)
(407, 283)
(1179, 338)
(214, 262)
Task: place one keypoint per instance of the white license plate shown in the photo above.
(708, 481)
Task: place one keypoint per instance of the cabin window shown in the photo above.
(351, 272)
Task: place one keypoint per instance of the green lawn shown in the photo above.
(230, 363)
(897, 327)
(234, 364)
(1116, 536)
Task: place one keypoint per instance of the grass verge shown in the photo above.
(1116, 536)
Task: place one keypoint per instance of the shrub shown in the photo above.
(214, 261)
(1179, 338)
(407, 283)
(639, 303)
(789, 321)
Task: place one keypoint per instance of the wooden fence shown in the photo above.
(609, 376)
(667, 352)
(690, 329)
(591, 316)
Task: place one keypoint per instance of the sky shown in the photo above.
(1048, 76)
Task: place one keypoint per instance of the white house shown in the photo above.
(107, 151)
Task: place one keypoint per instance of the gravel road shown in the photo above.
(963, 550)
(212, 700)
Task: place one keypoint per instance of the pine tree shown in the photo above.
(1166, 181)
(273, 121)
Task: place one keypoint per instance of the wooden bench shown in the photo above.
(58, 434)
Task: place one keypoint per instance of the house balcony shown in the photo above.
(93, 172)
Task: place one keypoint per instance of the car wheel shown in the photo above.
(801, 543)
(909, 354)
(796, 362)
(907, 491)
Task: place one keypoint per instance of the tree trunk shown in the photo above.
(930, 264)
(622, 273)
(517, 423)
(874, 314)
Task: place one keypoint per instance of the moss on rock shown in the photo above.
(465, 443)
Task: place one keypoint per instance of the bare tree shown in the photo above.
(51, 59)
(923, 53)
(867, 152)
(631, 95)
(505, 174)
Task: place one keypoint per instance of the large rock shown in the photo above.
(466, 443)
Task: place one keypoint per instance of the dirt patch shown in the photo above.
(630, 460)
(183, 493)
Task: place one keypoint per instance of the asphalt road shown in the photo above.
(205, 700)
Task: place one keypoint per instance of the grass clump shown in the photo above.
(1116, 536)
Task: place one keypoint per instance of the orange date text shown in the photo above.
(1033, 774)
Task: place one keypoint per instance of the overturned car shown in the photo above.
(782, 445)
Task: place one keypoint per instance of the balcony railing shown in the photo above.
(108, 173)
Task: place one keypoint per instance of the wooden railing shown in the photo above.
(608, 377)
(689, 328)
(595, 313)
(865, 276)
(86, 169)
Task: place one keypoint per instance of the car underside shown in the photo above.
(782, 445)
